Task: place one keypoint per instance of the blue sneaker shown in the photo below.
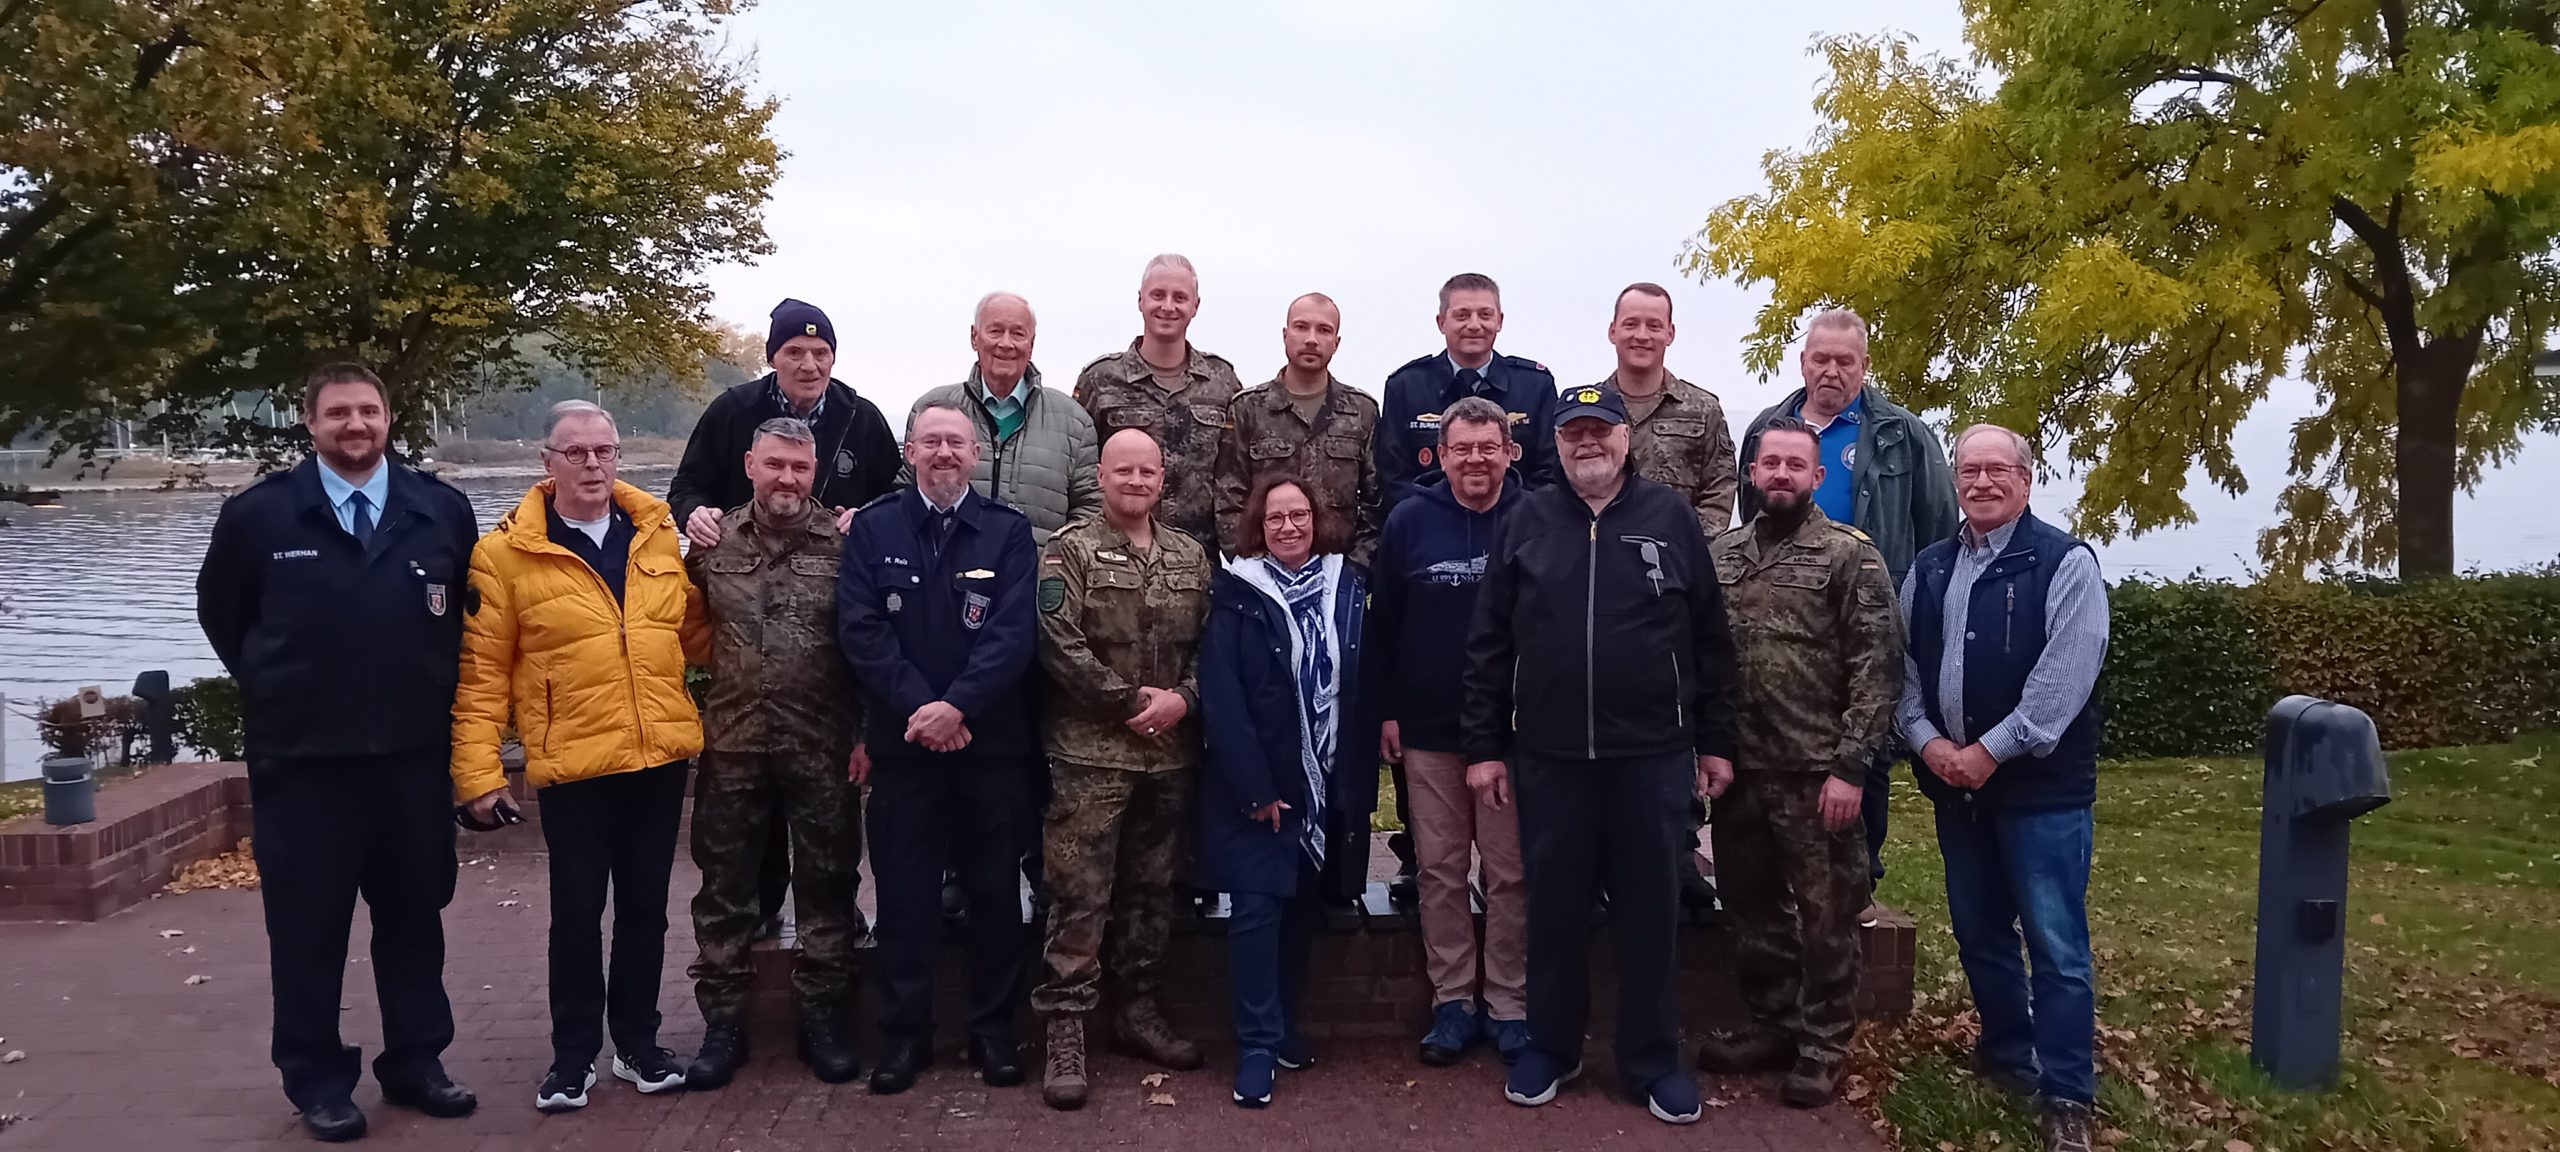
(1673, 1099)
(1454, 1029)
(1253, 1077)
(1510, 1037)
(1293, 1054)
(1536, 1077)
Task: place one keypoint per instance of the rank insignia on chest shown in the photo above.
(1114, 557)
(894, 604)
(435, 599)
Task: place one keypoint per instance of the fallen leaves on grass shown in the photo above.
(1152, 1079)
(1160, 1099)
(232, 869)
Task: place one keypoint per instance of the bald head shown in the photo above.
(1132, 472)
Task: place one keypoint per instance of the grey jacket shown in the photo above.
(1047, 471)
(1906, 492)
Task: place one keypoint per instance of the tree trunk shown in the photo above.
(2424, 447)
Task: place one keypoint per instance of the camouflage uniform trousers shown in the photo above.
(734, 798)
(1794, 892)
(1112, 844)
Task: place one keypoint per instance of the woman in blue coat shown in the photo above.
(1293, 773)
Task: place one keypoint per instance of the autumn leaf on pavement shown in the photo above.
(1161, 1099)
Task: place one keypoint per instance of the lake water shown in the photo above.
(104, 587)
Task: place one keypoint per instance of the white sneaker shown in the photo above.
(651, 1070)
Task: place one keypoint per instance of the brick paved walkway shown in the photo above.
(122, 1053)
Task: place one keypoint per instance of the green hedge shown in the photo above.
(2193, 665)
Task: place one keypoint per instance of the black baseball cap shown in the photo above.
(1590, 400)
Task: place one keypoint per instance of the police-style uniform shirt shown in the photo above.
(1408, 439)
(1819, 642)
(779, 681)
(340, 647)
(1684, 444)
(1330, 451)
(932, 609)
(1115, 618)
(1120, 391)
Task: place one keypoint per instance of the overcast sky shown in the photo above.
(1367, 149)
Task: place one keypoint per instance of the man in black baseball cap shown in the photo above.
(1600, 684)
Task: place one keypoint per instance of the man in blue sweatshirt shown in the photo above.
(1422, 597)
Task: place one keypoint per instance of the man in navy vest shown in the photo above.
(2008, 629)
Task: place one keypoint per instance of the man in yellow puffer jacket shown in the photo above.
(580, 618)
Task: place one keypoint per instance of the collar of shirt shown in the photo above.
(1998, 539)
(1001, 405)
(1855, 413)
(1485, 370)
(955, 505)
(782, 403)
(376, 489)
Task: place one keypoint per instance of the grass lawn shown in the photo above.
(2452, 983)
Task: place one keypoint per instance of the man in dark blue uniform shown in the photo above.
(332, 592)
(1408, 438)
(933, 600)
(1407, 441)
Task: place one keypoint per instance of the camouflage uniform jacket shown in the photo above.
(1819, 640)
(779, 681)
(1684, 445)
(1266, 435)
(1121, 392)
(1114, 619)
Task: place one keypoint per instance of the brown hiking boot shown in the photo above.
(1062, 1082)
(2066, 1126)
(1142, 1031)
(1743, 1053)
(1811, 1084)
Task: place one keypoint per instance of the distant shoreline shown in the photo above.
(482, 459)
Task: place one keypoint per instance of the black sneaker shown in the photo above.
(651, 1070)
(565, 1089)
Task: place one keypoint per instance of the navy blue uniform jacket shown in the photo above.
(1408, 436)
(1249, 698)
(959, 628)
(339, 650)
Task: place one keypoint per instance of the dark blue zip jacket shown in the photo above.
(2005, 633)
(339, 650)
(958, 628)
(1249, 698)
(1422, 598)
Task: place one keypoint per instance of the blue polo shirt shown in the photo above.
(1838, 495)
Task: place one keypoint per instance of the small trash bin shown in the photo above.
(70, 791)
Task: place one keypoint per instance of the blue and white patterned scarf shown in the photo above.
(1307, 595)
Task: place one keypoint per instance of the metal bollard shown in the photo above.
(70, 791)
(2324, 769)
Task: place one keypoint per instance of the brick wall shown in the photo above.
(147, 828)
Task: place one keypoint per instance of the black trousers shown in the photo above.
(609, 835)
(971, 814)
(326, 832)
(1588, 826)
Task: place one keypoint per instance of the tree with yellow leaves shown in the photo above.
(2119, 222)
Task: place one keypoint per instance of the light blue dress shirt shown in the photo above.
(376, 489)
(2075, 650)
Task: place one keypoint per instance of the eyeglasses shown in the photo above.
(1301, 517)
(939, 443)
(601, 453)
(1972, 472)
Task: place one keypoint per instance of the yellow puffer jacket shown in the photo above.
(597, 688)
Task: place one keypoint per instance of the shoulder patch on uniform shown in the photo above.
(1053, 593)
(1852, 530)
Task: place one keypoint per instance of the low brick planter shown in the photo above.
(1367, 980)
(148, 827)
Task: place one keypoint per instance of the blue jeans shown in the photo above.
(1269, 939)
(2012, 870)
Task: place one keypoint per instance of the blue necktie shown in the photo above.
(360, 517)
